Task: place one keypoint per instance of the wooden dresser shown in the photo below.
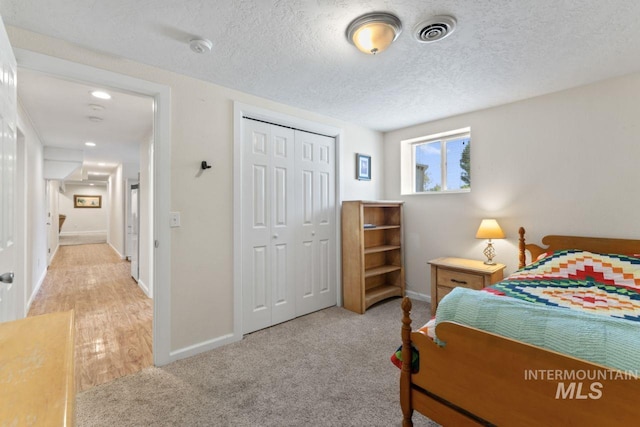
(37, 383)
(449, 273)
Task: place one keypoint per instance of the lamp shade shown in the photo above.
(489, 229)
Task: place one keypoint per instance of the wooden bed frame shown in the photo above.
(478, 378)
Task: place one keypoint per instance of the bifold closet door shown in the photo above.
(268, 242)
(316, 213)
(288, 224)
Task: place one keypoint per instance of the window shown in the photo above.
(437, 163)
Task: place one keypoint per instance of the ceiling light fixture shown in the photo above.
(95, 119)
(90, 144)
(200, 45)
(96, 107)
(100, 94)
(102, 164)
(374, 32)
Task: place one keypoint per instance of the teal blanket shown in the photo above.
(607, 341)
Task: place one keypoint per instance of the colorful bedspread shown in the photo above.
(601, 284)
(567, 288)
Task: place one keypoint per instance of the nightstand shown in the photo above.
(448, 273)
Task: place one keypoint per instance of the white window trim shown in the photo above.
(407, 159)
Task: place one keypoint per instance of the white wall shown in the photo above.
(364, 142)
(202, 128)
(83, 220)
(35, 244)
(116, 231)
(564, 163)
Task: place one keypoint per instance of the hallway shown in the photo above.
(113, 317)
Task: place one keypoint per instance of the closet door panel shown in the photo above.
(315, 190)
(256, 225)
(282, 225)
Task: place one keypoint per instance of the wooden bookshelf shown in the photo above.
(372, 259)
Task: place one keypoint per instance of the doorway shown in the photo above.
(158, 236)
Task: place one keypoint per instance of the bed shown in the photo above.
(483, 378)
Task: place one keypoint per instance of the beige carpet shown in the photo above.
(330, 368)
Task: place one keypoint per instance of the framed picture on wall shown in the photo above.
(80, 201)
(363, 167)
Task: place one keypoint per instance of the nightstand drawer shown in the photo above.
(442, 291)
(452, 278)
(449, 273)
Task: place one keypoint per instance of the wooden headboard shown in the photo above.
(591, 244)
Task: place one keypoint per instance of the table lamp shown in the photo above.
(489, 229)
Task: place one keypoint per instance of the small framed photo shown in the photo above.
(80, 201)
(363, 167)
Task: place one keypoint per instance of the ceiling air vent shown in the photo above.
(434, 29)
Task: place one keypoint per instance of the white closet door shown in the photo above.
(268, 237)
(315, 201)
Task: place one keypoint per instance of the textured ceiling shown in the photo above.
(295, 51)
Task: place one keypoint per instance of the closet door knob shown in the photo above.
(313, 233)
(275, 236)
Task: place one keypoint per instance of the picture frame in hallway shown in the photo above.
(80, 201)
(363, 167)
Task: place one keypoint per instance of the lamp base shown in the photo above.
(489, 252)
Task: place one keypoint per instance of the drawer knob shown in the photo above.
(460, 282)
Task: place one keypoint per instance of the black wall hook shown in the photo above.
(204, 165)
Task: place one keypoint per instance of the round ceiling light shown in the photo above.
(100, 94)
(374, 32)
(200, 45)
(90, 144)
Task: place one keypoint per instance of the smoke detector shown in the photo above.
(434, 29)
(200, 45)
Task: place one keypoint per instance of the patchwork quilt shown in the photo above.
(581, 284)
(602, 284)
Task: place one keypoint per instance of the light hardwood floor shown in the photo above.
(113, 316)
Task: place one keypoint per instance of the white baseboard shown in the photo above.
(117, 251)
(192, 350)
(82, 233)
(36, 289)
(144, 288)
(418, 296)
(55, 252)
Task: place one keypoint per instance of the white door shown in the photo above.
(268, 236)
(8, 289)
(316, 210)
(133, 230)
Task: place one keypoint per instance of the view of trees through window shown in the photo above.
(443, 165)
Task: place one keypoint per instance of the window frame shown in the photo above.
(408, 159)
